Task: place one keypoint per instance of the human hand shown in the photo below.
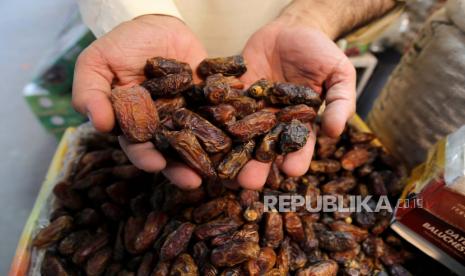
(292, 52)
(118, 59)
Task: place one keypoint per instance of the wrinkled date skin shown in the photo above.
(217, 89)
(136, 113)
(323, 268)
(264, 263)
(167, 106)
(260, 89)
(209, 210)
(52, 233)
(253, 125)
(188, 147)
(215, 227)
(274, 233)
(153, 225)
(293, 94)
(159, 67)
(212, 138)
(354, 158)
(339, 186)
(235, 160)
(243, 105)
(234, 253)
(222, 114)
(267, 150)
(228, 66)
(184, 265)
(177, 241)
(169, 85)
(293, 137)
(300, 112)
(325, 166)
(336, 241)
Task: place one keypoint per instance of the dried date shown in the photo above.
(293, 137)
(253, 125)
(136, 113)
(228, 66)
(292, 94)
(52, 233)
(188, 147)
(300, 112)
(234, 253)
(267, 150)
(235, 160)
(169, 85)
(177, 241)
(212, 138)
(159, 67)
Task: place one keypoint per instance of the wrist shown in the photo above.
(299, 16)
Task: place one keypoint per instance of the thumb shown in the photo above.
(340, 99)
(92, 88)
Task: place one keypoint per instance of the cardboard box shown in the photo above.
(49, 92)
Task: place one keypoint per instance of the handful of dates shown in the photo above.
(215, 127)
(110, 218)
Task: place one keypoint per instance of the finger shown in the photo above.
(340, 99)
(297, 163)
(182, 176)
(91, 90)
(253, 175)
(143, 155)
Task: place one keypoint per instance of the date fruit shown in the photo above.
(136, 113)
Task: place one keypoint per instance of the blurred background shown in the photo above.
(40, 43)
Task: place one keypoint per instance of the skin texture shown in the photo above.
(296, 47)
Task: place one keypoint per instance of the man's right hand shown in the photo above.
(117, 59)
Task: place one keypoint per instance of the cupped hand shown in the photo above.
(117, 59)
(302, 55)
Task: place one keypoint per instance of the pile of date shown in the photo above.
(110, 218)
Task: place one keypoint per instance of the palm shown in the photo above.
(298, 55)
(127, 47)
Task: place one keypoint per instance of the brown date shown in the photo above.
(358, 233)
(325, 166)
(152, 228)
(209, 210)
(293, 137)
(233, 253)
(293, 226)
(267, 149)
(253, 125)
(300, 112)
(184, 265)
(243, 105)
(177, 241)
(354, 158)
(273, 232)
(188, 147)
(159, 67)
(97, 264)
(167, 106)
(323, 268)
(228, 66)
(339, 186)
(260, 89)
(222, 114)
(336, 241)
(293, 94)
(217, 89)
(215, 227)
(235, 160)
(212, 138)
(53, 266)
(135, 112)
(52, 233)
(169, 85)
(263, 263)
